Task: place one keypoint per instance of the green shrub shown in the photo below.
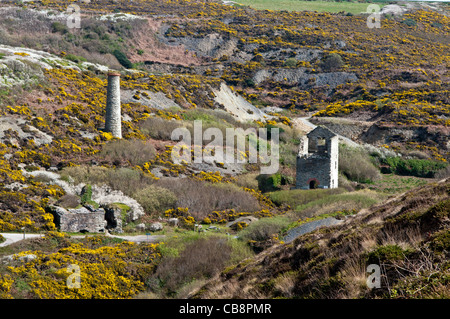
(122, 58)
(58, 27)
(290, 62)
(267, 183)
(356, 165)
(387, 253)
(412, 167)
(86, 196)
(269, 128)
(155, 199)
(75, 58)
(332, 62)
(410, 22)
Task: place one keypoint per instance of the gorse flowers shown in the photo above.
(111, 271)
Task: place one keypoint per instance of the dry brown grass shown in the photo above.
(202, 198)
(200, 259)
(355, 276)
(405, 237)
(159, 128)
(285, 284)
(135, 152)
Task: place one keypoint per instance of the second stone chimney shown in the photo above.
(113, 119)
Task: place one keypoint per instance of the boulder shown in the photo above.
(173, 221)
(155, 227)
(245, 219)
(25, 258)
(140, 227)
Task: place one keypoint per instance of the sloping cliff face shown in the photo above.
(407, 236)
(376, 133)
(237, 106)
(380, 134)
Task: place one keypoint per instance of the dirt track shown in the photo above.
(15, 237)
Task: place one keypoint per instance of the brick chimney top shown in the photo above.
(114, 73)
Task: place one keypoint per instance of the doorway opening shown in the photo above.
(313, 184)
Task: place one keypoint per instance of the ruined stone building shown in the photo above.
(317, 160)
(85, 219)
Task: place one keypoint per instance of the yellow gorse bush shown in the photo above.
(106, 272)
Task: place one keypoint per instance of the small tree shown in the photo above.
(332, 62)
(59, 27)
(290, 62)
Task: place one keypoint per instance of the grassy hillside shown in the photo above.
(406, 236)
(319, 6)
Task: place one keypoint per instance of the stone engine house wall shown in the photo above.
(317, 160)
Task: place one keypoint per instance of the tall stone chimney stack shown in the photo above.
(113, 120)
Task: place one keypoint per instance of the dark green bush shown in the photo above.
(410, 22)
(411, 167)
(75, 58)
(122, 58)
(267, 183)
(331, 62)
(58, 27)
(387, 253)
